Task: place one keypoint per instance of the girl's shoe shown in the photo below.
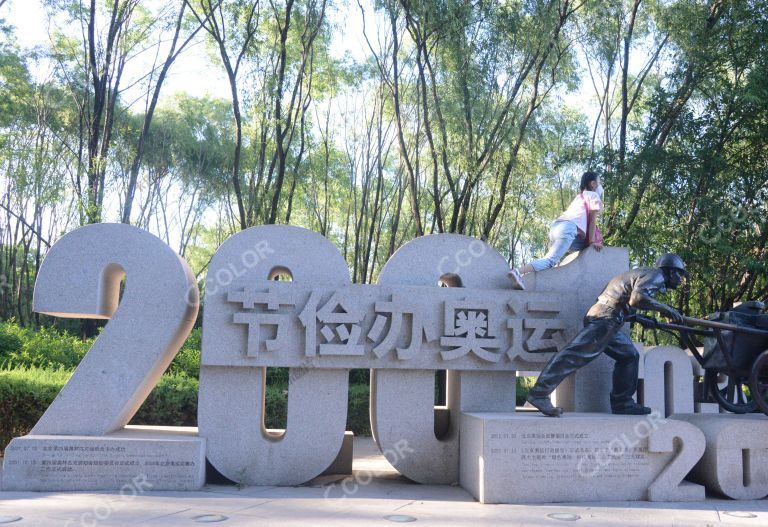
(517, 279)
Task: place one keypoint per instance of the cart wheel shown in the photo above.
(735, 396)
(758, 382)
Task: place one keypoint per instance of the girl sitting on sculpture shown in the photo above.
(574, 230)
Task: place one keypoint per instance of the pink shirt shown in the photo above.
(576, 212)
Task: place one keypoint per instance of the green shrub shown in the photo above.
(358, 376)
(358, 419)
(173, 402)
(276, 407)
(52, 348)
(187, 360)
(10, 342)
(522, 386)
(42, 348)
(277, 376)
(25, 393)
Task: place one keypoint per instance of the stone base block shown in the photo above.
(343, 462)
(706, 408)
(735, 462)
(519, 458)
(136, 459)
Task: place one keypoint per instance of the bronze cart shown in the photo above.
(735, 358)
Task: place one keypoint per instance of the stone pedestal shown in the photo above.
(136, 459)
(706, 408)
(735, 462)
(343, 462)
(519, 458)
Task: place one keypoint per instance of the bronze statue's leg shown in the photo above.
(580, 351)
(625, 370)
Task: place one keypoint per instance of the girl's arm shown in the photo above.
(593, 214)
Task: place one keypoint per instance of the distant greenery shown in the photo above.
(472, 118)
(35, 365)
(41, 348)
(25, 393)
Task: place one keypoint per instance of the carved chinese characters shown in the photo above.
(292, 324)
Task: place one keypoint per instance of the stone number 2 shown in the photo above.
(81, 278)
(687, 443)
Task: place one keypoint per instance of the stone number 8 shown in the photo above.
(81, 278)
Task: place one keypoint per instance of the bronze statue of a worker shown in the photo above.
(631, 290)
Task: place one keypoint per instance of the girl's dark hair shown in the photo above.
(587, 178)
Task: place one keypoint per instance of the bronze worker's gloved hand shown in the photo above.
(673, 314)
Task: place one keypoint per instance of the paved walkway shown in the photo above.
(374, 495)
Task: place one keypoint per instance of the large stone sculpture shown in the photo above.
(242, 302)
(80, 442)
(278, 296)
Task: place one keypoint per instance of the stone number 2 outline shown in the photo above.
(81, 278)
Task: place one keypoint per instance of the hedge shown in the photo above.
(52, 349)
(521, 390)
(26, 392)
(40, 348)
(35, 364)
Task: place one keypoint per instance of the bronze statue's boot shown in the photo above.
(544, 405)
(635, 409)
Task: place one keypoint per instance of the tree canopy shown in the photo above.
(472, 117)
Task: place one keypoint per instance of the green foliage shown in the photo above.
(277, 377)
(173, 402)
(15, 85)
(43, 348)
(499, 108)
(276, 407)
(522, 387)
(701, 190)
(358, 405)
(187, 360)
(26, 392)
(10, 342)
(48, 347)
(359, 376)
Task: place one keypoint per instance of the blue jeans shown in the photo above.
(563, 237)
